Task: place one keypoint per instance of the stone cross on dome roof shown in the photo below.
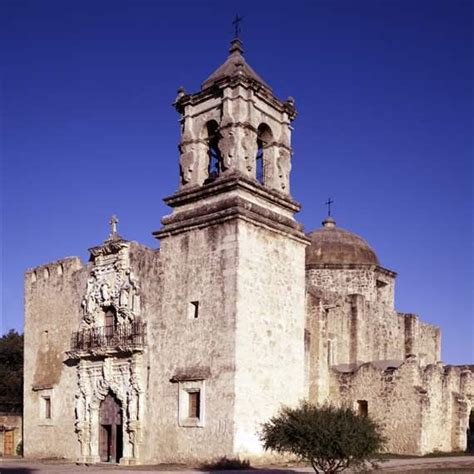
(328, 204)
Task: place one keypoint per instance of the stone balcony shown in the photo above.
(108, 340)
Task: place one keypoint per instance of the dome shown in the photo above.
(333, 245)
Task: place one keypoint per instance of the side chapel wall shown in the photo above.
(421, 410)
(53, 294)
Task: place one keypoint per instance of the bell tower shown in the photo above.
(235, 125)
(231, 329)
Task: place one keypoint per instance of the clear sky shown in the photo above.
(384, 94)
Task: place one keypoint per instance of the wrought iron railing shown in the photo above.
(121, 336)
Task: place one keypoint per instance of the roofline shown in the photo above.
(351, 266)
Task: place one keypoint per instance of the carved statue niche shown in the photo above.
(187, 162)
(284, 168)
(89, 302)
(249, 147)
(227, 147)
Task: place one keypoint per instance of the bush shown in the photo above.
(226, 464)
(331, 439)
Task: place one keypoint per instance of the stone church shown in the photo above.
(179, 353)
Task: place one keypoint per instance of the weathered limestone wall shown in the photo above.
(358, 331)
(269, 330)
(53, 295)
(393, 402)
(146, 265)
(197, 266)
(344, 281)
(421, 339)
(421, 410)
(364, 327)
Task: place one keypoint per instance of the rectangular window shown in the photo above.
(191, 403)
(193, 310)
(362, 407)
(194, 404)
(47, 408)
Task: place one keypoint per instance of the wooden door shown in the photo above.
(110, 429)
(8, 443)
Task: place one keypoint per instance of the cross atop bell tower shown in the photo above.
(235, 125)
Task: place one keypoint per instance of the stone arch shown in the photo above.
(264, 157)
(210, 133)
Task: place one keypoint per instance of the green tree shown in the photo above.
(331, 439)
(11, 371)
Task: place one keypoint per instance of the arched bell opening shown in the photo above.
(110, 429)
(215, 158)
(264, 140)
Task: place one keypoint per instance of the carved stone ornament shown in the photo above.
(187, 162)
(227, 147)
(284, 168)
(249, 147)
(123, 379)
(111, 283)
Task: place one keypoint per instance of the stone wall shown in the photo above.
(420, 410)
(421, 339)
(53, 294)
(199, 266)
(269, 330)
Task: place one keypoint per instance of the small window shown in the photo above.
(194, 404)
(191, 403)
(47, 408)
(362, 407)
(46, 273)
(193, 310)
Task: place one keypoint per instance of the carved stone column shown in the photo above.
(94, 435)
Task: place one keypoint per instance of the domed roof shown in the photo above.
(333, 245)
(234, 65)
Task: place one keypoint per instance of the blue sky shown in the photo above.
(384, 94)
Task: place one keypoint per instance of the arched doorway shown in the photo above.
(470, 433)
(110, 430)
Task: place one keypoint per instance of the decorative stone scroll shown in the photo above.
(122, 378)
(187, 162)
(228, 147)
(111, 283)
(284, 168)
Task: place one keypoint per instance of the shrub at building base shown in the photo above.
(331, 439)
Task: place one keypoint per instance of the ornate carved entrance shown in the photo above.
(110, 431)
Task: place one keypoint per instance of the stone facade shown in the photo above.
(179, 354)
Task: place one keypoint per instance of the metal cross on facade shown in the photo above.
(113, 224)
(328, 204)
(236, 23)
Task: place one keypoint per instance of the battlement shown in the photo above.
(53, 270)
